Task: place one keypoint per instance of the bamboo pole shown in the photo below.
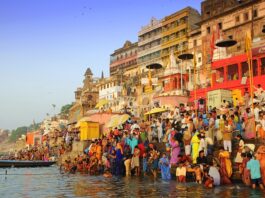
(250, 67)
(194, 80)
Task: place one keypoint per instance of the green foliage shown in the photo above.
(15, 134)
(34, 127)
(65, 109)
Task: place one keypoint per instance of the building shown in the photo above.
(175, 28)
(227, 68)
(86, 97)
(124, 60)
(149, 44)
(195, 48)
(110, 89)
(161, 42)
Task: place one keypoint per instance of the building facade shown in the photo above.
(226, 20)
(161, 42)
(86, 97)
(124, 60)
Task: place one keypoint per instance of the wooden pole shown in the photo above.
(250, 67)
(194, 80)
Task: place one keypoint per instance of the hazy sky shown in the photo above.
(46, 46)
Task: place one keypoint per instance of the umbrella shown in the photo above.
(156, 110)
(117, 120)
(186, 56)
(226, 43)
(101, 103)
(154, 66)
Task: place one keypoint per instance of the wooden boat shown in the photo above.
(25, 163)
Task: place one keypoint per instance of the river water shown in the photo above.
(48, 182)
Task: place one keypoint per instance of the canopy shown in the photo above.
(77, 125)
(156, 110)
(154, 66)
(117, 120)
(101, 103)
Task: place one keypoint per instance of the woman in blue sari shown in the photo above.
(119, 160)
(164, 165)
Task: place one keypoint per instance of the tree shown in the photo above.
(15, 134)
(65, 109)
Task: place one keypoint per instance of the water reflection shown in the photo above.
(48, 182)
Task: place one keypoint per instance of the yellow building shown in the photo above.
(175, 28)
(155, 43)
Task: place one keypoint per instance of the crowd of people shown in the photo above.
(189, 144)
(33, 153)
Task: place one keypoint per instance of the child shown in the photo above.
(208, 180)
(198, 174)
(254, 166)
(127, 164)
(181, 173)
(145, 164)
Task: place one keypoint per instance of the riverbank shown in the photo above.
(6, 146)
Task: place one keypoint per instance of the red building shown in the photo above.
(228, 73)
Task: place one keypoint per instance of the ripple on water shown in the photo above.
(47, 182)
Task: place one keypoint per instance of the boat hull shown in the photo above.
(20, 164)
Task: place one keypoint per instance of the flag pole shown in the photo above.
(250, 68)
(194, 80)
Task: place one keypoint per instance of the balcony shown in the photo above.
(174, 29)
(148, 40)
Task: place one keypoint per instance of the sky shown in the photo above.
(47, 45)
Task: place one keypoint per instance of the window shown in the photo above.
(246, 16)
(194, 43)
(220, 75)
(244, 66)
(220, 26)
(237, 19)
(255, 67)
(262, 66)
(232, 72)
(230, 36)
(200, 59)
(208, 30)
(255, 13)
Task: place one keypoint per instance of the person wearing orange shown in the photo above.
(226, 166)
(98, 151)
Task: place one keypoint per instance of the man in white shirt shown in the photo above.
(214, 173)
(259, 90)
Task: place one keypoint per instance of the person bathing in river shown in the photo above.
(165, 167)
(253, 166)
(181, 173)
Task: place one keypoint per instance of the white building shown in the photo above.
(110, 88)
